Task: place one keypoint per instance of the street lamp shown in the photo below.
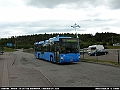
(74, 26)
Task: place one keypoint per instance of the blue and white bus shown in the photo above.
(58, 49)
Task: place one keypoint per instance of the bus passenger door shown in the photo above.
(56, 52)
(42, 53)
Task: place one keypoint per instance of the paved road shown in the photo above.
(25, 70)
(1, 68)
(13, 73)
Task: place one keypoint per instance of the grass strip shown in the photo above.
(101, 62)
(9, 49)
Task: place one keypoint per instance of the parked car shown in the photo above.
(98, 52)
(1, 50)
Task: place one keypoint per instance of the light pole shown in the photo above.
(15, 42)
(74, 26)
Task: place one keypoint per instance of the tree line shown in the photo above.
(85, 40)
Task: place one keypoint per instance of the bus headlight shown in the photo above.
(62, 58)
(79, 57)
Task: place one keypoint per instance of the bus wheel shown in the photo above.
(38, 56)
(51, 59)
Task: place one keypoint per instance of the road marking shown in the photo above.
(47, 78)
(5, 81)
(14, 60)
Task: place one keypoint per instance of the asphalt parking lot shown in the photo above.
(24, 70)
(111, 56)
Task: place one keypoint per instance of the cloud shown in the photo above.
(35, 27)
(54, 3)
(112, 4)
(23, 17)
(48, 3)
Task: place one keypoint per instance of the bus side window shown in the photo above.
(36, 47)
(52, 48)
(58, 47)
(48, 47)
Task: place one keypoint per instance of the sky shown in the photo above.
(28, 17)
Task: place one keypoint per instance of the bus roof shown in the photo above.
(54, 39)
(58, 37)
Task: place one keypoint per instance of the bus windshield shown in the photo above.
(69, 46)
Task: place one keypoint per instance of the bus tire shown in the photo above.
(38, 56)
(51, 58)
